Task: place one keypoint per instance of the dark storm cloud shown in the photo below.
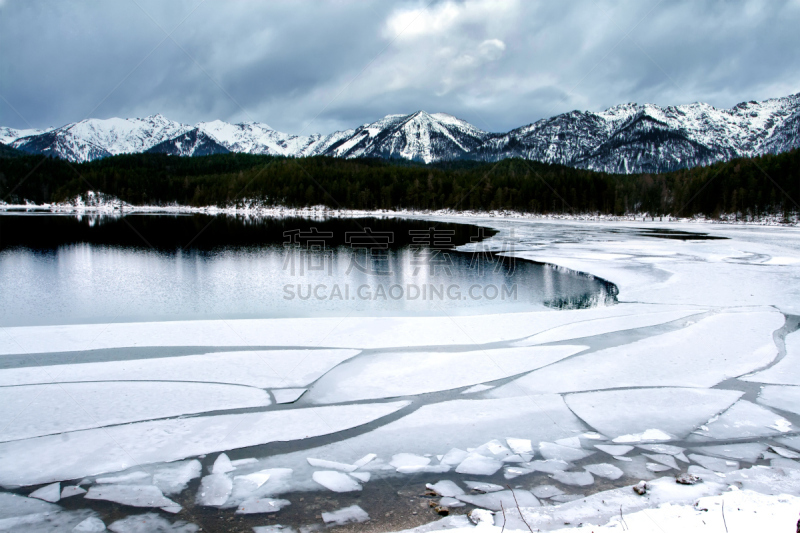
(315, 67)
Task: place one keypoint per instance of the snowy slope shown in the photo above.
(95, 138)
(626, 138)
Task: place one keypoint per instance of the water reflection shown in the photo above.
(56, 270)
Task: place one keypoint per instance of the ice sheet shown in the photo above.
(92, 452)
(388, 375)
(35, 410)
(601, 326)
(287, 395)
(676, 411)
(257, 368)
(335, 332)
(780, 397)
(716, 348)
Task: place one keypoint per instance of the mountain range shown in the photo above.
(627, 138)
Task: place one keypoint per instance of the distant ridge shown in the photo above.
(627, 138)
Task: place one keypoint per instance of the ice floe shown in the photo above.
(174, 477)
(785, 398)
(520, 445)
(446, 488)
(674, 411)
(88, 452)
(743, 419)
(546, 491)
(90, 525)
(614, 449)
(481, 486)
(394, 374)
(72, 490)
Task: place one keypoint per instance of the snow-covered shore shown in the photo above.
(695, 370)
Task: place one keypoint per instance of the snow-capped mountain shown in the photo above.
(95, 138)
(626, 138)
(647, 138)
(419, 136)
(9, 135)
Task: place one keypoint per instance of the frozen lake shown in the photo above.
(306, 419)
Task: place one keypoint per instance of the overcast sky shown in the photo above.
(312, 66)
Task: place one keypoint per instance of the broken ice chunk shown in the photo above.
(612, 449)
(493, 500)
(662, 448)
(546, 491)
(133, 495)
(72, 490)
(214, 490)
(277, 528)
(581, 479)
(454, 457)
(647, 435)
(605, 470)
(450, 502)
(515, 471)
(514, 459)
(336, 481)
(445, 488)
(480, 486)
(261, 505)
(783, 452)
(222, 465)
(125, 478)
(365, 460)
(520, 445)
(361, 476)
(90, 525)
(550, 450)
(744, 419)
(664, 459)
(408, 459)
(570, 442)
(173, 478)
(354, 513)
(256, 478)
(493, 448)
(151, 522)
(287, 395)
(49, 493)
(479, 465)
(550, 466)
(324, 463)
(657, 467)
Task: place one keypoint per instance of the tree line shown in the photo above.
(752, 187)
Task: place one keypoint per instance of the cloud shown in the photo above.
(308, 66)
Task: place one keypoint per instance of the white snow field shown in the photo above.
(696, 370)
